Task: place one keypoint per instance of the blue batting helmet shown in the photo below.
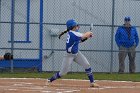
(71, 23)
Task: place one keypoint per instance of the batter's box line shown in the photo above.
(100, 80)
(64, 79)
(117, 87)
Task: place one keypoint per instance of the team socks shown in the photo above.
(90, 75)
(55, 76)
(88, 72)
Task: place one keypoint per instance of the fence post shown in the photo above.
(41, 34)
(12, 30)
(0, 17)
(28, 19)
(112, 34)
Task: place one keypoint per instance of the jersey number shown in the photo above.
(68, 38)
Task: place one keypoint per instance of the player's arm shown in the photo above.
(82, 36)
(86, 36)
(83, 40)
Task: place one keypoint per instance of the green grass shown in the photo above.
(98, 76)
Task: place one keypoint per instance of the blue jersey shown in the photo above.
(73, 39)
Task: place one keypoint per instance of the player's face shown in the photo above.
(77, 27)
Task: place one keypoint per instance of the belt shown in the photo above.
(71, 53)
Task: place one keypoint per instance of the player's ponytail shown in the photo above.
(70, 25)
(62, 33)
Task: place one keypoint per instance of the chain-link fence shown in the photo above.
(31, 22)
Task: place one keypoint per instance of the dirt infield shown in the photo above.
(30, 85)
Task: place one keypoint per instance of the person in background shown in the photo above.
(6, 56)
(127, 40)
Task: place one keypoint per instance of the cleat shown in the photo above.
(94, 85)
(48, 82)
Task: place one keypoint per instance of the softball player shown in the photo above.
(74, 37)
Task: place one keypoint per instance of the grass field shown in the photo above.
(98, 76)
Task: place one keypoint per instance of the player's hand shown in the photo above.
(87, 35)
(91, 34)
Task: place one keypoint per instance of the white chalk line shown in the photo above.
(11, 89)
(99, 80)
(67, 90)
(46, 91)
(116, 87)
(64, 79)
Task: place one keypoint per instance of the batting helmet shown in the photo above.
(71, 23)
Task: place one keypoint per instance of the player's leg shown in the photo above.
(81, 60)
(132, 55)
(67, 60)
(122, 55)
